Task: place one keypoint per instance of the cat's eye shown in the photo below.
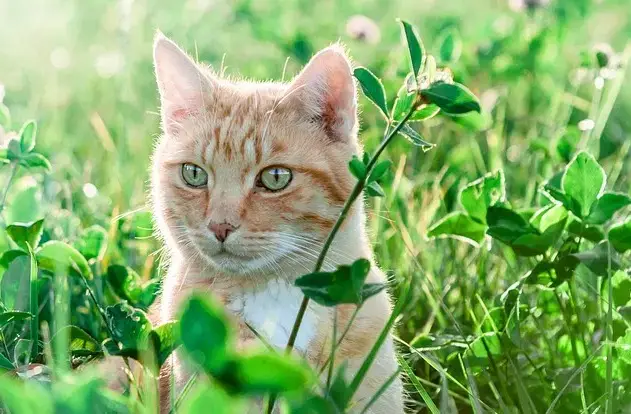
(194, 175)
(275, 178)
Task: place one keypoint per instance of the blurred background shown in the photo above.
(549, 73)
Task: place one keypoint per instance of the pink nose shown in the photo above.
(221, 230)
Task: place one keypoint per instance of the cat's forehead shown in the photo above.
(242, 125)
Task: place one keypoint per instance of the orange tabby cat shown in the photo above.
(248, 179)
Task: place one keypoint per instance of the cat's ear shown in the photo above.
(183, 86)
(325, 92)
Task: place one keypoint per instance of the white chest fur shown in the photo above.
(272, 312)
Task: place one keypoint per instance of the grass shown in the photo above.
(475, 335)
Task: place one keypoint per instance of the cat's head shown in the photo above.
(248, 175)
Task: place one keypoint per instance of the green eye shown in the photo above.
(193, 175)
(275, 178)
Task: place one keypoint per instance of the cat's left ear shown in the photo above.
(325, 92)
(183, 87)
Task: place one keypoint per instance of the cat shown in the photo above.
(247, 181)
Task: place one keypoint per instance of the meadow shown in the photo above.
(501, 218)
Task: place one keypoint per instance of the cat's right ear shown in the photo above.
(183, 87)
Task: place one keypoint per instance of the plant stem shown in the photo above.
(357, 190)
(339, 341)
(3, 198)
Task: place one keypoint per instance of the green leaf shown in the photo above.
(459, 226)
(79, 340)
(358, 169)
(27, 136)
(374, 190)
(14, 152)
(506, 225)
(569, 203)
(583, 181)
(130, 327)
(270, 373)
(403, 103)
(344, 285)
(8, 257)
(35, 160)
(15, 284)
(620, 236)
(56, 256)
(606, 206)
(92, 243)
(127, 285)
(450, 46)
(472, 121)
(415, 47)
(550, 222)
(592, 233)
(380, 170)
(483, 193)
(165, 339)
(12, 316)
(206, 335)
(213, 397)
(597, 259)
(5, 363)
(5, 117)
(372, 88)
(452, 98)
(423, 112)
(414, 137)
(23, 233)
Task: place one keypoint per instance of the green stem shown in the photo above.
(3, 198)
(609, 336)
(357, 190)
(381, 390)
(329, 374)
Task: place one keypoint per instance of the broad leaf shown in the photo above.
(92, 243)
(206, 335)
(599, 259)
(379, 170)
(460, 226)
(344, 285)
(583, 181)
(606, 206)
(415, 47)
(549, 222)
(8, 257)
(506, 225)
(23, 233)
(12, 316)
(270, 373)
(483, 193)
(592, 233)
(358, 169)
(211, 397)
(127, 285)
(450, 46)
(374, 190)
(78, 339)
(35, 160)
(27, 136)
(130, 327)
(620, 236)
(58, 257)
(451, 98)
(15, 284)
(165, 339)
(372, 88)
(414, 137)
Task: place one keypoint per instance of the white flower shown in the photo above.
(363, 28)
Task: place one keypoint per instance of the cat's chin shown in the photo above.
(237, 265)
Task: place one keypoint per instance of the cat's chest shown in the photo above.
(272, 312)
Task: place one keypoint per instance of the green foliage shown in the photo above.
(534, 317)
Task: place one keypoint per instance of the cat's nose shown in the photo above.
(221, 230)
